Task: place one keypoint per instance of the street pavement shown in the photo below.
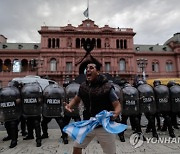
(54, 145)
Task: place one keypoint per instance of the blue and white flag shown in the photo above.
(78, 130)
(86, 13)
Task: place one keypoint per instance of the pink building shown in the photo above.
(61, 48)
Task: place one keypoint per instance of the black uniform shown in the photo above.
(12, 131)
(32, 109)
(44, 125)
(175, 102)
(71, 91)
(148, 105)
(10, 112)
(130, 108)
(163, 105)
(53, 98)
(23, 125)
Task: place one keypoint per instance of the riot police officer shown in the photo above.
(71, 90)
(54, 96)
(157, 114)
(148, 105)
(32, 109)
(130, 108)
(174, 89)
(162, 97)
(22, 119)
(10, 112)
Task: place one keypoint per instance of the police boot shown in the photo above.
(13, 144)
(141, 134)
(154, 132)
(171, 131)
(65, 139)
(38, 142)
(155, 135)
(144, 138)
(7, 138)
(170, 128)
(172, 135)
(121, 137)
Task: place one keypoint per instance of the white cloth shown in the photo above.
(79, 130)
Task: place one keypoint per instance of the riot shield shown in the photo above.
(54, 96)
(10, 104)
(71, 91)
(175, 98)
(130, 101)
(32, 99)
(162, 98)
(147, 102)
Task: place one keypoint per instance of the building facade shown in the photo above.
(59, 55)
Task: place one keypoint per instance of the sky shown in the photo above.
(153, 21)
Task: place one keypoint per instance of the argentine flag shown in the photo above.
(78, 130)
(86, 13)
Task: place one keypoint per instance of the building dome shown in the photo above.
(175, 39)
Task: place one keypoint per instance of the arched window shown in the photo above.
(121, 44)
(125, 44)
(49, 43)
(53, 65)
(77, 43)
(17, 65)
(53, 43)
(117, 44)
(57, 43)
(155, 66)
(7, 65)
(24, 63)
(169, 66)
(107, 67)
(122, 65)
(68, 67)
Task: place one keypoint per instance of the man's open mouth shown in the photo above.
(88, 75)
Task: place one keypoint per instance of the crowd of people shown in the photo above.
(98, 94)
(156, 103)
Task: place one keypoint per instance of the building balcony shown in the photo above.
(56, 73)
(120, 73)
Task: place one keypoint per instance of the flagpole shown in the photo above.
(88, 7)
